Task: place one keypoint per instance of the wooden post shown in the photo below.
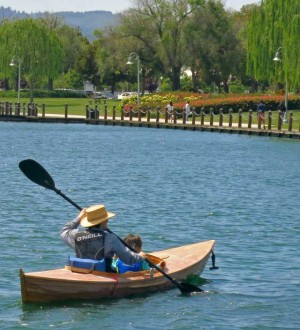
(269, 119)
(240, 118)
(166, 115)
(130, 113)
(279, 121)
(211, 117)
(97, 113)
(193, 116)
(250, 119)
(279, 124)
(140, 114)
(221, 118)
(6, 108)
(157, 114)
(66, 111)
(183, 116)
(24, 109)
(174, 116)
(259, 119)
(230, 118)
(122, 113)
(114, 113)
(28, 109)
(43, 110)
(290, 122)
(105, 111)
(148, 114)
(202, 115)
(17, 109)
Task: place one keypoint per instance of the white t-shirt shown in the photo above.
(170, 107)
(187, 109)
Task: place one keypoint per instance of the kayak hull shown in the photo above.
(63, 284)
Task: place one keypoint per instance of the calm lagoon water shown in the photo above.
(173, 187)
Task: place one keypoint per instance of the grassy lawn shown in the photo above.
(77, 106)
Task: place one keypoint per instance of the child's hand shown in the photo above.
(143, 255)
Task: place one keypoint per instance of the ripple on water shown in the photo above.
(173, 187)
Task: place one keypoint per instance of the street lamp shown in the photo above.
(278, 58)
(13, 63)
(131, 57)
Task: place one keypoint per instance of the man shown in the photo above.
(170, 111)
(95, 242)
(187, 110)
(261, 108)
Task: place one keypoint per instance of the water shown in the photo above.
(173, 187)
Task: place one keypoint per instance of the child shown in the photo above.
(136, 243)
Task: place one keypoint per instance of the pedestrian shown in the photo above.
(94, 241)
(282, 109)
(261, 108)
(187, 110)
(170, 111)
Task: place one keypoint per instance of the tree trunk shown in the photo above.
(5, 84)
(31, 87)
(175, 79)
(16, 83)
(50, 84)
(226, 87)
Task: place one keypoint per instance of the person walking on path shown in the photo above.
(261, 109)
(170, 110)
(282, 109)
(187, 110)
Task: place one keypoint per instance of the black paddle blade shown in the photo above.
(36, 173)
(188, 288)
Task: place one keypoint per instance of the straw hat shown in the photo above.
(95, 215)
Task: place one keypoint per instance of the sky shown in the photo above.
(115, 6)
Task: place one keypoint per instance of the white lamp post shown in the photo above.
(278, 58)
(13, 63)
(131, 57)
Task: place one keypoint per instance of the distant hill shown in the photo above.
(87, 21)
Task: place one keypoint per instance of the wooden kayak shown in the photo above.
(65, 284)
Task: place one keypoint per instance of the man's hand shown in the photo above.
(82, 213)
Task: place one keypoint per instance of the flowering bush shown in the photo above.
(235, 102)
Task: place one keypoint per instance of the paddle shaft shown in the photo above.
(66, 198)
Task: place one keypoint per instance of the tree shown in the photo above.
(34, 46)
(111, 56)
(275, 25)
(213, 51)
(86, 64)
(74, 46)
(241, 21)
(157, 26)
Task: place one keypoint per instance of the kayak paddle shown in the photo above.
(37, 174)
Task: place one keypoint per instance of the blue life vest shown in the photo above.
(89, 264)
(123, 268)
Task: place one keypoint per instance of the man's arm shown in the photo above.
(114, 246)
(68, 232)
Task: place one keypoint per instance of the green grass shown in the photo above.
(77, 106)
